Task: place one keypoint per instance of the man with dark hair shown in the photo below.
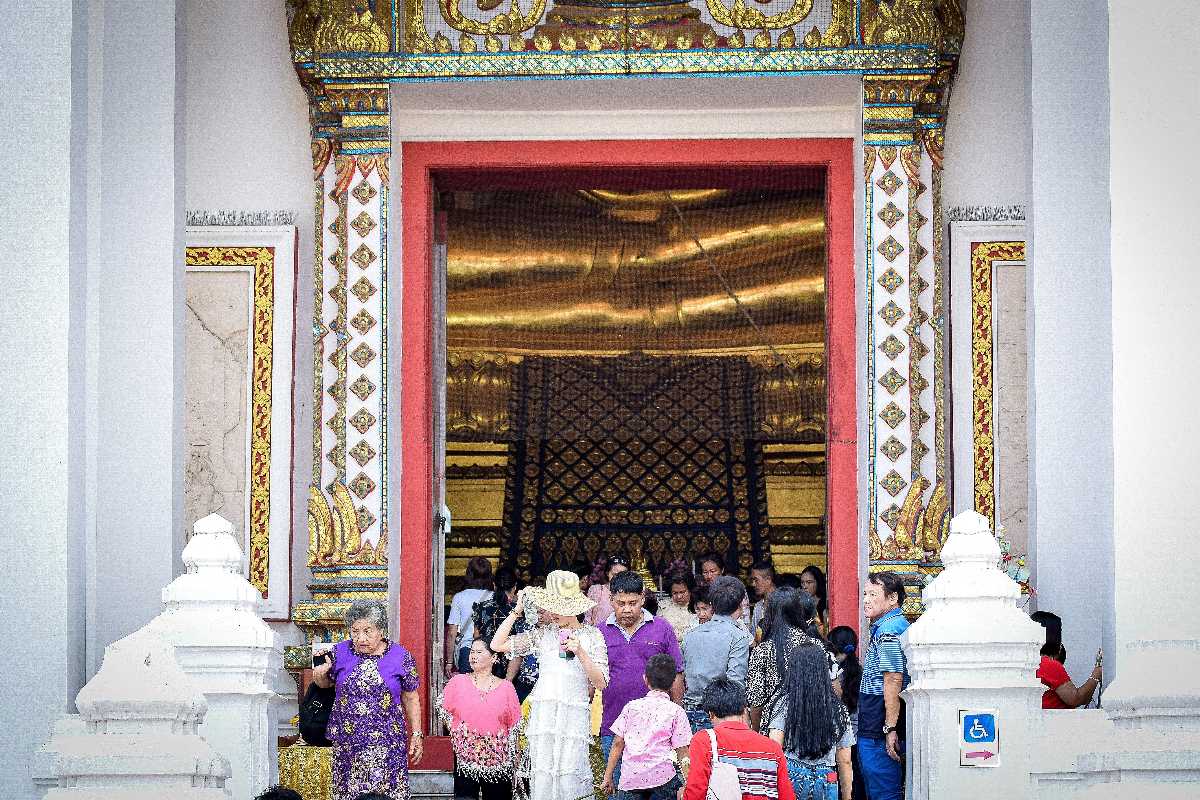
(633, 636)
(280, 793)
(885, 674)
(717, 649)
(760, 763)
(762, 580)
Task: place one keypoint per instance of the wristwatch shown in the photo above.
(888, 729)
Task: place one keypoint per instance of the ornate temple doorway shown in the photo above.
(644, 350)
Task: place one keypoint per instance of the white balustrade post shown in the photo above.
(140, 740)
(211, 616)
(972, 649)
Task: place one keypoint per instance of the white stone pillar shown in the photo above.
(211, 617)
(971, 649)
(1156, 322)
(141, 742)
(1070, 337)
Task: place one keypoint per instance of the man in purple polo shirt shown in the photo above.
(632, 635)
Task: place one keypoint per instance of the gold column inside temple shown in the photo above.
(702, 272)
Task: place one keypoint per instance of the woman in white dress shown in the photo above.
(572, 663)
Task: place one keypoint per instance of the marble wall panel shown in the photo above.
(217, 342)
(1010, 410)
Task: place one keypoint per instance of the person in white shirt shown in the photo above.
(459, 625)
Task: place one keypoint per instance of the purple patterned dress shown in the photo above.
(367, 725)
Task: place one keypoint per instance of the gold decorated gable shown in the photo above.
(399, 40)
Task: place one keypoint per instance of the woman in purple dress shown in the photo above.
(375, 708)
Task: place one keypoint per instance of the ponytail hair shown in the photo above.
(844, 641)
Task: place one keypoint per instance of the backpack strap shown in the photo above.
(712, 735)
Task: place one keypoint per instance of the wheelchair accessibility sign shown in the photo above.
(979, 738)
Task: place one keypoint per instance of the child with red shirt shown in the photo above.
(761, 766)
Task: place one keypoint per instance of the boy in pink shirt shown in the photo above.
(645, 733)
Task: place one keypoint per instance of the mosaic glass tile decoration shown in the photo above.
(891, 516)
(920, 283)
(889, 182)
(893, 483)
(890, 214)
(362, 355)
(337, 259)
(892, 381)
(893, 448)
(362, 452)
(919, 451)
(361, 485)
(892, 414)
(338, 227)
(917, 253)
(891, 280)
(919, 350)
(365, 518)
(890, 249)
(891, 313)
(919, 383)
(363, 289)
(363, 224)
(335, 457)
(364, 192)
(362, 420)
(363, 256)
(363, 321)
(362, 387)
(891, 347)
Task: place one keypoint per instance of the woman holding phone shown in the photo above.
(572, 663)
(375, 722)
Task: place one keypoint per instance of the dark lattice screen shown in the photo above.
(611, 450)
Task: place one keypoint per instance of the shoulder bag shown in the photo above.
(723, 783)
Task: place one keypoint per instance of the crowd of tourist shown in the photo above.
(584, 687)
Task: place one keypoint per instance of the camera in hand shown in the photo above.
(318, 660)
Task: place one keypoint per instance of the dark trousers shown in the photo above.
(465, 787)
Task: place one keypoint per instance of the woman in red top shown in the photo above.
(1060, 691)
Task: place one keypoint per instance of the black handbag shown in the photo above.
(314, 715)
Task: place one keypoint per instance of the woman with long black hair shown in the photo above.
(814, 729)
(789, 623)
(844, 643)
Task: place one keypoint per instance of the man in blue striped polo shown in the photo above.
(885, 674)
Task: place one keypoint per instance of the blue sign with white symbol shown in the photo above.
(979, 728)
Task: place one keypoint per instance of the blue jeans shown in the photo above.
(883, 776)
(464, 660)
(668, 791)
(700, 721)
(606, 743)
(812, 782)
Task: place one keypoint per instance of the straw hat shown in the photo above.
(561, 595)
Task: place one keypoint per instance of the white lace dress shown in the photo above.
(560, 717)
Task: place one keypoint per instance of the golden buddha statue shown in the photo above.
(638, 565)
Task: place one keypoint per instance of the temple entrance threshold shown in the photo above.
(620, 348)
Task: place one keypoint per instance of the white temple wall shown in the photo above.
(1155, 319)
(1069, 301)
(41, 472)
(248, 150)
(987, 126)
(92, 231)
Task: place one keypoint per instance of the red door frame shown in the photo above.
(566, 164)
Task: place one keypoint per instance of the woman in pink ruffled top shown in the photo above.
(482, 713)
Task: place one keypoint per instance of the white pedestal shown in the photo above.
(972, 649)
(211, 617)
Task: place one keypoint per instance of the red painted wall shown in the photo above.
(586, 164)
